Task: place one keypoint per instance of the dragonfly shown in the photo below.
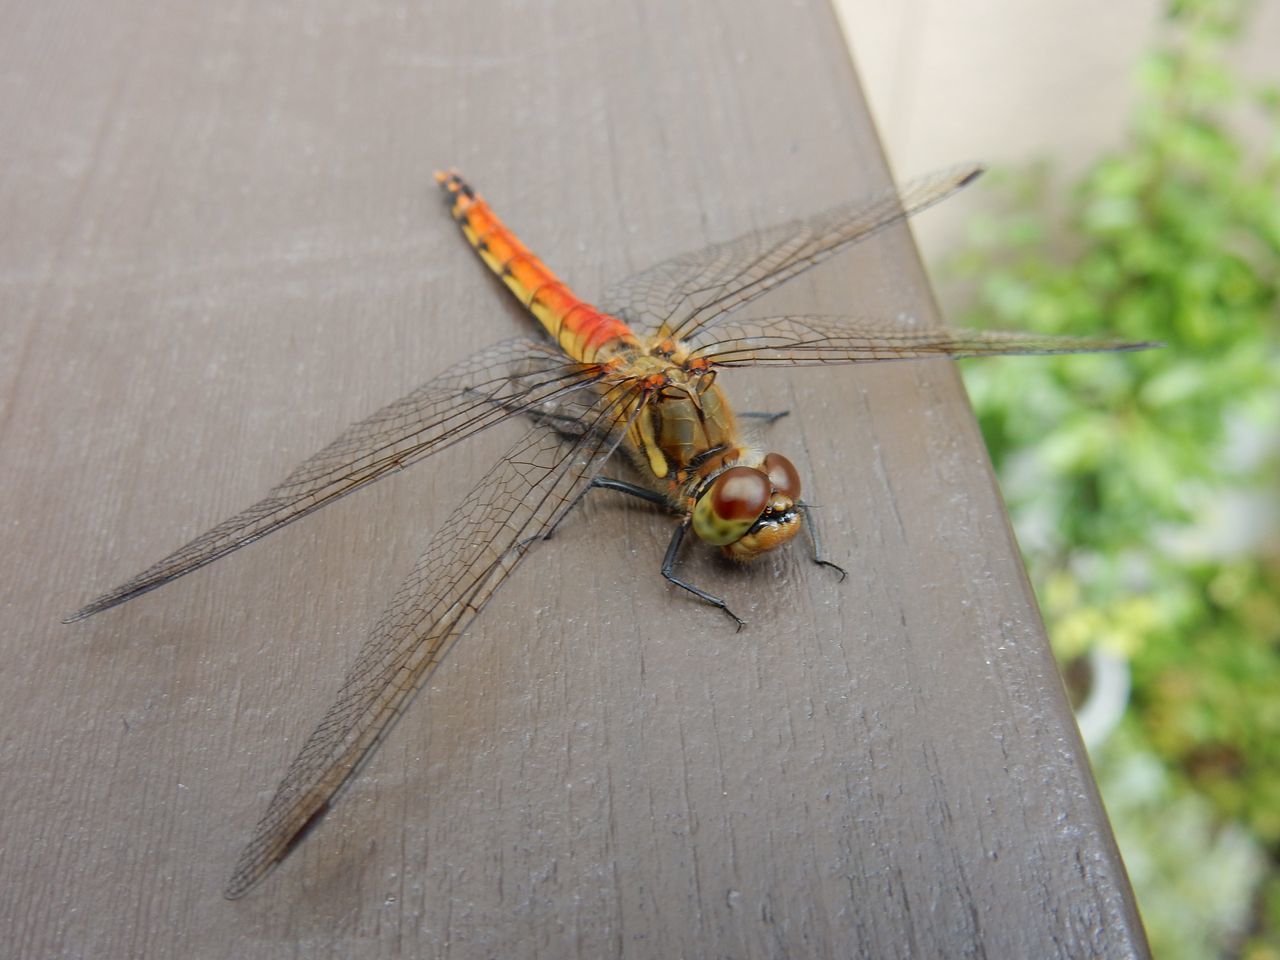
(635, 376)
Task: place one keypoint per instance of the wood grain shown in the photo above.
(221, 245)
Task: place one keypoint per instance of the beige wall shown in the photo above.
(1006, 81)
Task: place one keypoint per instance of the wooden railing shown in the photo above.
(231, 246)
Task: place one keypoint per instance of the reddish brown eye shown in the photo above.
(783, 475)
(740, 493)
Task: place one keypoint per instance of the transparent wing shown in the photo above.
(518, 501)
(488, 387)
(808, 340)
(692, 291)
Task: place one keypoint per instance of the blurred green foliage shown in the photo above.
(1145, 487)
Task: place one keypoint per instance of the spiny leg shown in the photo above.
(631, 489)
(673, 548)
(806, 513)
(564, 424)
(668, 566)
(608, 483)
(769, 418)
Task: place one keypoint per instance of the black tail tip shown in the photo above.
(451, 182)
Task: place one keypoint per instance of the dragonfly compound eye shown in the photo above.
(783, 475)
(731, 506)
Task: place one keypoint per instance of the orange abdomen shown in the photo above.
(582, 331)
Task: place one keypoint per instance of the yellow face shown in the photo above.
(748, 511)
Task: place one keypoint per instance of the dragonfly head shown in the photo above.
(747, 511)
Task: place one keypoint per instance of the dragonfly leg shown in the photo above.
(631, 489)
(806, 511)
(608, 483)
(769, 418)
(668, 568)
(567, 426)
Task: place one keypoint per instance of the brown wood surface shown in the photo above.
(221, 244)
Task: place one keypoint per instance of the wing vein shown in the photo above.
(518, 500)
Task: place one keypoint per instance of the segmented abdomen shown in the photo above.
(582, 331)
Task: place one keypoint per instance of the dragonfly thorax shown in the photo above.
(685, 429)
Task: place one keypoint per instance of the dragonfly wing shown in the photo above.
(806, 340)
(488, 387)
(518, 501)
(692, 291)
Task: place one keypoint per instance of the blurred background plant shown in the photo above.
(1148, 513)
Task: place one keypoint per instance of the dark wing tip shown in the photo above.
(1082, 345)
(247, 877)
(87, 611)
(977, 171)
(116, 597)
(1125, 346)
(254, 867)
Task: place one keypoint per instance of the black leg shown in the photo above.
(607, 483)
(806, 512)
(768, 418)
(669, 564)
(563, 424)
